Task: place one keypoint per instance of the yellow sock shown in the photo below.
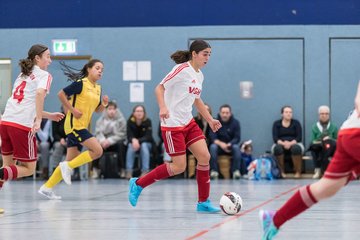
(54, 179)
(83, 158)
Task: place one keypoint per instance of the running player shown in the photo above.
(176, 94)
(85, 99)
(344, 167)
(23, 114)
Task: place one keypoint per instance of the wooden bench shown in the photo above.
(224, 162)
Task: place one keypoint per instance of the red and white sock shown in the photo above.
(203, 181)
(10, 172)
(298, 203)
(161, 172)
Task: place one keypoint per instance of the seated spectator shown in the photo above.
(323, 141)
(226, 142)
(110, 131)
(59, 143)
(44, 143)
(139, 133)
(246, 150)
(287, 136)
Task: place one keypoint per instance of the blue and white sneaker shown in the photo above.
(134, 191)
(266, 218)
(207, 206)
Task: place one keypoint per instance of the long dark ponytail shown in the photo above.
(74, 74)
(182, 56)
(28, 63)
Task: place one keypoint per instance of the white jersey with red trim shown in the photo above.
(182, 86)
(21, 107)
(353, 121)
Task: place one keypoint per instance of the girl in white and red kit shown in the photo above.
(176, 94)
(344, 167)
(23, 114)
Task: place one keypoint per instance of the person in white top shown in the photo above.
(176, 94)
(344, 167)
(23, 115)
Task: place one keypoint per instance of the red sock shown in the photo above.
(298, 203)
(161, 172)
(10, 172)
(203, 181)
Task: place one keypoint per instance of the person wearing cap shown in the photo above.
(23, 114)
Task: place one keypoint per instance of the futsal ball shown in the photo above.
(230, 203)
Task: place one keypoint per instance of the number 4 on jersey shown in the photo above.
(19, 92)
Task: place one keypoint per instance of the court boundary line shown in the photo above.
(236, 216)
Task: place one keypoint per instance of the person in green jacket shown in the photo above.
(323, 141)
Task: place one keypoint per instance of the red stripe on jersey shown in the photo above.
(181, 67)
(49, 82)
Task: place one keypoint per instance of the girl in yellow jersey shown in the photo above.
(85, 99)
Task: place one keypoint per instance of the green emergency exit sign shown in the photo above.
(64, 46)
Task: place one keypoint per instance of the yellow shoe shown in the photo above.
(2, 210)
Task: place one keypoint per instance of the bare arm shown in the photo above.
(63, 99)
(200, 106)
(65, 102)
(159, 92)
(103, 105)
(55, 116)
(214, 124)
(39, 105)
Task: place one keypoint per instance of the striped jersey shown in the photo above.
(20, 110)
(182, 86)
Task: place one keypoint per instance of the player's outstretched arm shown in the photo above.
(55, 116)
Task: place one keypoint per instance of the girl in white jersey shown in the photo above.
(23, 114)
(344, 167)
(176, 94)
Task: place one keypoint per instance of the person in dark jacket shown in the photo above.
(226, 141)
(139, 133)
(287, 136)
(59, 144)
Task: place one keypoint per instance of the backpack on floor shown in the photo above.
(109, 165)
(263, 169)
(275, 170)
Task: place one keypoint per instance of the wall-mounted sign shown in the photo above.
(64, 46)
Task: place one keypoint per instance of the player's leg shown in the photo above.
(18, 145)
(175, 146)
(200, 151)
(303, 199)
(95, 151)
(47, 188)
(336, 176)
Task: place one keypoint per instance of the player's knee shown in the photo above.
(179, 168)
(204, 158)
(97, 152)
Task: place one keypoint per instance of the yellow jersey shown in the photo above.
(85, 96)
